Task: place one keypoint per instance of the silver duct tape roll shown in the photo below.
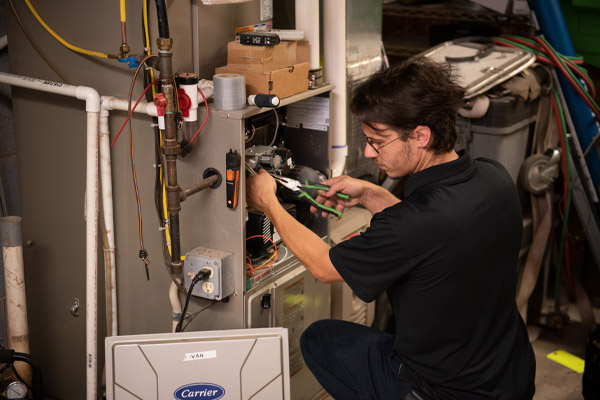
(229, 91)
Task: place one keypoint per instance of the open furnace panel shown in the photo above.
(249, 286)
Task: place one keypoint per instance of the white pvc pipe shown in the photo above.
(307, 20)
(91, 246)
(17, 328)
(38, 84)
(114, 103)
(334, 51)
(195, 37)
(92, 106)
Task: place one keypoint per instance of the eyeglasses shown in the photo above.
(372, 144)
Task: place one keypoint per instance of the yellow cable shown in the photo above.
(164, 190)
(145, 15)
(122, 9)
(60, 39)
(149, 48)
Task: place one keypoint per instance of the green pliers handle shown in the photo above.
(318, 186)
(320, 206)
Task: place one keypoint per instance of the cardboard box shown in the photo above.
(283, 82)
(302, 51)
(261, 58)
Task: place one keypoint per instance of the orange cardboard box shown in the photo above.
(261, 58)
(283, 82)
(302, 51)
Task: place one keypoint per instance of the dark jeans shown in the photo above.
(353, 361)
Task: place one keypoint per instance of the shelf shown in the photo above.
(407, 29)
(443, 11)
(249, 111)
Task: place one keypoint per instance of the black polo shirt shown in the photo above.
(447, 257)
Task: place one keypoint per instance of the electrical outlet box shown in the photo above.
(220, 283)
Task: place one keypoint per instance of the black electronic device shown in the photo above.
(257, 38)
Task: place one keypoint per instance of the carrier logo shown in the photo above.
(204, 391)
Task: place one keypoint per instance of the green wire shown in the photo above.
(583, 89)
(559, 56)
(521, 46)
(569, 193)
(577, 57)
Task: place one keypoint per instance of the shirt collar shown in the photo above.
(451, 172)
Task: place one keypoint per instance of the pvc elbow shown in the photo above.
(91, 97)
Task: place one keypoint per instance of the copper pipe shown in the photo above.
(123, 33)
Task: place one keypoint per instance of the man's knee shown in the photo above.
(310, 334)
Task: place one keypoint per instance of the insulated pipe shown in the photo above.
(175, 304)
(11, 241)
(92, 106)
(109, 224)
(307, 20)
(163, 22)
(334, 43)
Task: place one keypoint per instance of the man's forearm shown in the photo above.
(309, 248)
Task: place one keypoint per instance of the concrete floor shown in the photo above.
(554, 381)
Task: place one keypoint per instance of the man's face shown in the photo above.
(393, 155)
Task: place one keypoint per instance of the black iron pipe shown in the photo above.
(203, 184)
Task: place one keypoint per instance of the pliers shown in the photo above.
(296, 186)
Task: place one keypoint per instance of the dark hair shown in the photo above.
(416, 92)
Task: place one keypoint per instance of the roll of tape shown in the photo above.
(229, 91)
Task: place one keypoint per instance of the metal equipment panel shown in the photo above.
(232, 364)
(293, 299)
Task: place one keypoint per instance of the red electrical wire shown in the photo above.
(133, 109)
(565, 189)
(205, 118)
(571, 63)
(267, 265)
(568, 77)
(538, 48)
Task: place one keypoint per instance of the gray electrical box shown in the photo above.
(220, 283)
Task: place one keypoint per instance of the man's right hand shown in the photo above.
(354, 188)
(260, 190)
(373, 197)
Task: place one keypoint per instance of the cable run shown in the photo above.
(63, 41)
(143, 252)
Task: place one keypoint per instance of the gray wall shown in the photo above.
(50, 143)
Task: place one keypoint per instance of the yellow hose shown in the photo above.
(149, 48)
(122, 8)
(60, 39)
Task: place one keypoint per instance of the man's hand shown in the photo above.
(354, 188)
(260, 190)
(372, 197)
